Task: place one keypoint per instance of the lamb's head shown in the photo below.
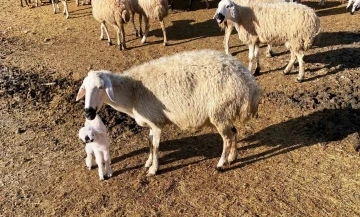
(97, 89)
(224, 11)
(87, 134)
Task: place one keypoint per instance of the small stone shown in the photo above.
(19, 131)
(46, 39)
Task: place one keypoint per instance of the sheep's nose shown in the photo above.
(88, 140)
(90, 113)
(219, 17)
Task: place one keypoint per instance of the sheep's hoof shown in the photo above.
(299, 80)
(270, 54)
(165, 44)
(150, 174)
(101, 178)
(219, 169)
(285, 72)
(257, 71)
(352, 13)
(109, 43)
(90, 167)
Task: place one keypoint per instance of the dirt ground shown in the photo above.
(295, 159)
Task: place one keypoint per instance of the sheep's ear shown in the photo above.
(81, 93)
(232, 10)
(109, 89)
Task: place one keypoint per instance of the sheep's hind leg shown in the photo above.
(251, 56)
(300, 56)
(162, 24)
(65, 9)
(291, 62)
(227, 136)
(228, 30)
(155, 151)
(256, 54)
(102, 29)
(150, 159)
(233, 149)
(147, 27)
(269, 52)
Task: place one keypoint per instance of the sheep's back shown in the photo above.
(155, 9)
(108, 10)
(193, 87)
(277, 23)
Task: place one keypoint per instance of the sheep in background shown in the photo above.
(94, 135)
(229, 27)
(356, 6)
(189, 5)
(290, 24)
(190, 89)
(114, 12)
(56, 3)
(154, 9)
(27, 2)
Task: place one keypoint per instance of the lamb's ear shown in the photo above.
(81, 92)
(232, 10)
(109, 89)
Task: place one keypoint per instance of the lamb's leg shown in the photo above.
(155, 151)
(147, 27)
(257, 63)
(122, 41)
(100, 163)
(233, 149)
(207, 4)
(251, 55)
(53, 5)
(77, 2)
(88, 160)
(269, 52)
(65, 9)
(227, 136)
(228, 30)
(162, 24)
(36, 3)
(107, 161)
(150, 159)
(300, 56)
(349, 4)
(291, 62)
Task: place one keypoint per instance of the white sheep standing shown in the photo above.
(55, 4)
(190, 89)
(114, 12)
(229, 27)
(356, 5)
(290, 24)
(94, 135)
(154, 9)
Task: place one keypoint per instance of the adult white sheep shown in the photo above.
(229, 27)
(190, 90)
(154, 9)
(290, 24)
(114, 12)
(356, 6)
(94, 135)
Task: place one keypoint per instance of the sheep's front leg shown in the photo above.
(155, 151)
(100, 163)
(228, 30)
(107, 161)
(88, 159)
(147, 27)
(122, 39)
(269, 52)
(150, 159)
(53, 5)
(251, 55)
(233, 149)
(65, 9)
(102, 29)
(133, 23)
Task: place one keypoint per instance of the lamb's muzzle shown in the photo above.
(88, 140)
(219, 18)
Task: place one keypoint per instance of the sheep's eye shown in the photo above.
(227, 6)
(92, 135)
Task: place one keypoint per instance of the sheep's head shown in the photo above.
(96, 88)
(225, 10)
(87, 134)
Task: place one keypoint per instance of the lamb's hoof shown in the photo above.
(90, 167)
(285, 72)
(150, 174)
(165, 44)
(352, 13)
(109, 43)
(299, 80)
(101, 178)
(269, 54)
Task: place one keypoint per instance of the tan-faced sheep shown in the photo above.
(114, 12)
(154, 9)
(290, 24)
(190, 89)
(94, 135)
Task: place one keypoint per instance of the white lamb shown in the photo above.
(55, 4)
(190, 89)
(355, 6)
(94, 135)
(150, 9)
(114, 12)
(290, 24)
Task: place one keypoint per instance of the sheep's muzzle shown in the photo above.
(219, 18)
(90, 113)
(88, 140)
